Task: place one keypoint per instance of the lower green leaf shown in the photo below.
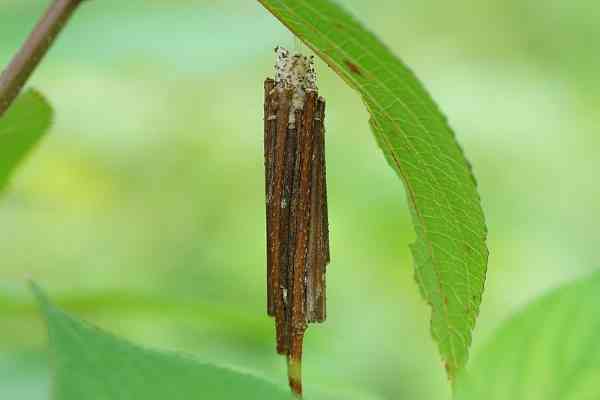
(91, 364)
(20, 129)
(550, 350)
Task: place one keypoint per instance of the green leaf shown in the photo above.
(450, 253)
(20, 130)
(550, 350)
(94, 365)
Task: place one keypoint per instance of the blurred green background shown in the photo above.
(143, 209)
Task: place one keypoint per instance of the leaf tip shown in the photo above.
(43, 100)
(39, 294)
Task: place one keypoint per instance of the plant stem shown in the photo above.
(295, 375)
(17, 73)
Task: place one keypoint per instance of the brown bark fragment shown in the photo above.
(277, 278)
(270, 118)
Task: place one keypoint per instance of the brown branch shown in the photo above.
(17, 73)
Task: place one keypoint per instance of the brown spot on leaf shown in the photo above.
(353, 68)
(445, 300)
